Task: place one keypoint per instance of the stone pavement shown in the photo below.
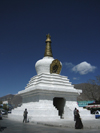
(91, 123)
(88, 124)
(49, 127)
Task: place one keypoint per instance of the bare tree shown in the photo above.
(92, 89)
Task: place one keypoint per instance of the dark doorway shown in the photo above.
(59, 103)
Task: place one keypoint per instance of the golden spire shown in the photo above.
(48, 50)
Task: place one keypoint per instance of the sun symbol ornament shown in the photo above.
(55, 66)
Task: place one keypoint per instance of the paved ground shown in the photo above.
(48, 127)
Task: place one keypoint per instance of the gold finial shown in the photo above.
(48, 38)
(48, 50)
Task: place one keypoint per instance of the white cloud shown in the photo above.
(83, 68)
(75, 78)
(69, 64)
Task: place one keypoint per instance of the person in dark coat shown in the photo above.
(78, 123)
(25, 116)
(0, 115)
(75, 113)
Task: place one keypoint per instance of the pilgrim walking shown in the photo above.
(25, 116)
(78, 123)
(75, 113)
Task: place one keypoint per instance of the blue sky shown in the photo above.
(74, 26)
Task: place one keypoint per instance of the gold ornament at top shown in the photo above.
(48, 50)
(48, 38)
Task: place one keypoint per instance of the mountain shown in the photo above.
(82, 96)
(7, 97)
(15, 100)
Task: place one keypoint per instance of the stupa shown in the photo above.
(48, 95)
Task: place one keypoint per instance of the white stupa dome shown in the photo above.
(43, 65)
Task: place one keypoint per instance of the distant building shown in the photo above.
(5, 102)
(84, 103)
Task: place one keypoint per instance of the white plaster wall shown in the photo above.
(39, 93)
(38, 110)
(43, 65)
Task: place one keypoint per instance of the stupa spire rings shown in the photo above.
(48, 50)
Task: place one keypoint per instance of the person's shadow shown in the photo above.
(2, 128)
